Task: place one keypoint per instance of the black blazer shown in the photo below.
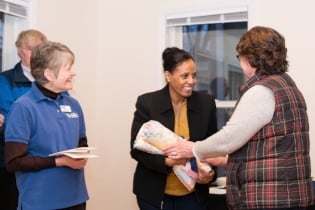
(151, 171)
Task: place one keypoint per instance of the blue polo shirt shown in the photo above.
(47, 126)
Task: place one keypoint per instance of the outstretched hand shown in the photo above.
(217, 161)
(181, 149)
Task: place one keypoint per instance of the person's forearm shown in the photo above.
(249, 116)
(16, 159)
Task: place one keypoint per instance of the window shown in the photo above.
(211, 39)
(14, 17)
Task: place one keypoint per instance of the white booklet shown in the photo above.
(79, 152)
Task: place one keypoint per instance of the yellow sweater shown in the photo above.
(173, 184)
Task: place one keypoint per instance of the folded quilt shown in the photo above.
(153, 137)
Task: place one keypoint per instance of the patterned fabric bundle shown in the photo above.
(153, 137)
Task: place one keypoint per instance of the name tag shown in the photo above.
(65, 108)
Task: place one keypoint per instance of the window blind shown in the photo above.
(208, 19)
(14, 9)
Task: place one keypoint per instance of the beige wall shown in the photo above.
(118, 46)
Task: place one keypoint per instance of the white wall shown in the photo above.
(118, 46)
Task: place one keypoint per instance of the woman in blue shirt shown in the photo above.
(43, 121)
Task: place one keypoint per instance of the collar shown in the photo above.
(46, 92)
(27, 72)
(166, 104)
(247, 84)
(18, 74)
(42, 93)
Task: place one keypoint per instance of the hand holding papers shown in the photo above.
(79, 152)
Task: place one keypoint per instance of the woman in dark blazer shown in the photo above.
(189, 114)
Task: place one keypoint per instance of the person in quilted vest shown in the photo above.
(266, 139)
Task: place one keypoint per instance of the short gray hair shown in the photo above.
(49, 55)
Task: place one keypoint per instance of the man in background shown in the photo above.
(13, 84)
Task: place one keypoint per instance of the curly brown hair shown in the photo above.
(265, 50)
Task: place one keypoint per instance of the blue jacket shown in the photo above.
(13, 84)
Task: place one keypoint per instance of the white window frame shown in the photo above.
(190, 15)
(17, 18)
